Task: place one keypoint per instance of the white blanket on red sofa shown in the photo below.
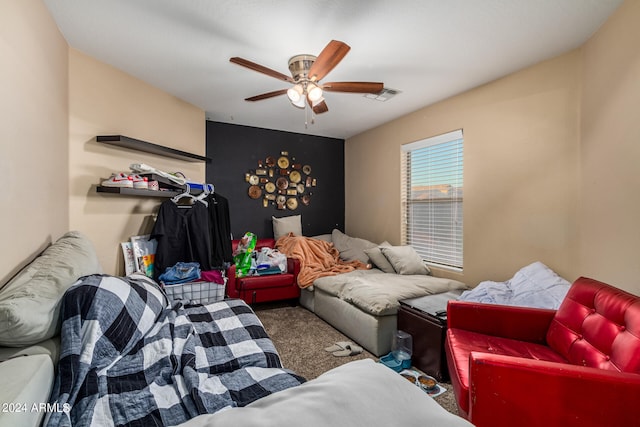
(535, 285)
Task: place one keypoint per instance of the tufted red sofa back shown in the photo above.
(598, 326)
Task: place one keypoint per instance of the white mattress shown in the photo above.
(360, 393)
(27, 383)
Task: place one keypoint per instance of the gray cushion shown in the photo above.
(405, 260)
(351, 248)
(324, 237)
(285, 225)
(378, 258)
(30, 302)
(49, 347)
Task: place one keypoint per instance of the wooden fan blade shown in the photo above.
(330, 56)
(320, 108)
(355, 87)
(260, 68)
(267, 95)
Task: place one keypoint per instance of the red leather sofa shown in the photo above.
(577, 366)
(253, 289)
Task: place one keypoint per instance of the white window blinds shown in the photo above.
(432, 190)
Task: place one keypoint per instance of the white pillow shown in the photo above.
(405, 260)
(285, 225)
(351, 248)
(30, 302)
(378, 258)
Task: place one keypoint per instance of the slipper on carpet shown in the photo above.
(350, 350)
(340, 345)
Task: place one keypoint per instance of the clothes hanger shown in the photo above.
(212, 191)
(206, 190)
(186, 193)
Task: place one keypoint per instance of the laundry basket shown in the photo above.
(196, 292)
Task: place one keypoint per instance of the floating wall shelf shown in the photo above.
(168, 188)
(148, 147)
(137, 192)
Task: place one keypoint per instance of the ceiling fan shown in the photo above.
(306, 73)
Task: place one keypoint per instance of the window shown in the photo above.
(432, 198)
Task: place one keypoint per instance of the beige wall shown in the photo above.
(55, 100)
(551, 161)
(104, 101)
(520, 170)
(609, 209)
(33, 135)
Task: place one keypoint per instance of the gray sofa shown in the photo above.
(30, 328)
(363, 304)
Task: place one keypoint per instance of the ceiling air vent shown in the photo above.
(384, 95)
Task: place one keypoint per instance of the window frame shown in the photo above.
(449, 255)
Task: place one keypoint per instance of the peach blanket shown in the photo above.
(317, 258)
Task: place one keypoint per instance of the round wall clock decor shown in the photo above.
(281, 182)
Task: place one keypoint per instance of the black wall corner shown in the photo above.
(236, 149)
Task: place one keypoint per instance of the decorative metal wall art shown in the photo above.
(281, 182)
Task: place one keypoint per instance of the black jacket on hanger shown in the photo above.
(182, 235)
(219, 230)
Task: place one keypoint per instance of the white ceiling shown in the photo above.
(427, 49)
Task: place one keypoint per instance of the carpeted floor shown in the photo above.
(300, 337)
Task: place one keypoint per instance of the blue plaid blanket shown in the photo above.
(127, 359)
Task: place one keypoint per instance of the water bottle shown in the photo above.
(402, 347)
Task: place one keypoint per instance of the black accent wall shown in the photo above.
(236, 149)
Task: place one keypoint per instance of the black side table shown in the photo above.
(425, 319)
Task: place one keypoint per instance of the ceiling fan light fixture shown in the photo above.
(307, 71)
(295, 93)
(299, 102)
(314, 92)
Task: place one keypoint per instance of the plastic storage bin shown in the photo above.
(196, 292)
